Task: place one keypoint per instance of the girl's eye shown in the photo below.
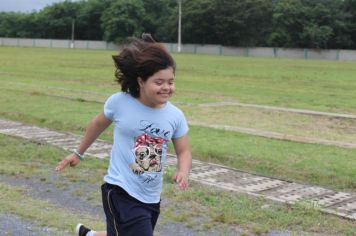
(160, 83)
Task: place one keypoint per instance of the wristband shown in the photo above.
(80, 156)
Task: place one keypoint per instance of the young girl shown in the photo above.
(145, 121)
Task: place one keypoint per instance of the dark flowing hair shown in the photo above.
(140, 59)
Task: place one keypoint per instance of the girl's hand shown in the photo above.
(181, 178)
(71, 160)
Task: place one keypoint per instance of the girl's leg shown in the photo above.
(100, 233)
(127, 216)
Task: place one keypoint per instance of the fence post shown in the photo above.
(305, 53)
(275, 52)
(220, 50)
(195, 49)
(338, 54)
(247, 52)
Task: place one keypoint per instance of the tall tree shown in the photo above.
(15, 24)
(160, 19)
(123, 18)
(313, 24)
(287, 21)
(350, 9)
(87, 20)
(243, 22)
(227, 22)
(56, 20)
(198, 22)
(329, 20)
(277, 23)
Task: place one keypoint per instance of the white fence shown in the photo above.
(346, 55)
(57, 43)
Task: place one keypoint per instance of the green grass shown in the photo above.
(256, 215)
(318, 127)
(318, 85)
(200, 207)
(63, 89)
(51, 88)
(316, 164)
(42, 213)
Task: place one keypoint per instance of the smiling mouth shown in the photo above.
(165, 94)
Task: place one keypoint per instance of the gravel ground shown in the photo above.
(13, 225)
(65, 197)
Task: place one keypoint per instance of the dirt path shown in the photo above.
(11, 224)
(66, 198)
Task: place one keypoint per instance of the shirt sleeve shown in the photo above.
(182, 127)
(109, 107)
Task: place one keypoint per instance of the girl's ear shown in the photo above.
(140, 81)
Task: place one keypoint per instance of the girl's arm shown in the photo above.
(93, 130)
(184, 156)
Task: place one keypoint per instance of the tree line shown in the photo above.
(243, 23)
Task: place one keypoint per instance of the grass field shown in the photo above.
(316, 85)
(200, 207)
(63, 89)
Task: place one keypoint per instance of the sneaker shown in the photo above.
(81, 230)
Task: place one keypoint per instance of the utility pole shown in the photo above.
(72, 42)
(179, 25)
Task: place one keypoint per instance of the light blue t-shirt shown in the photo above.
(141, 137)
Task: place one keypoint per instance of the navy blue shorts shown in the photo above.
(126, 215)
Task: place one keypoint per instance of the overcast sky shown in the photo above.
(25, 5)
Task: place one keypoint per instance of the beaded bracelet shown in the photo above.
(80, 156)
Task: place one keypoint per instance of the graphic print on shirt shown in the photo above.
(148, 154)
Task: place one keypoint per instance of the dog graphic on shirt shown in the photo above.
(148, 154)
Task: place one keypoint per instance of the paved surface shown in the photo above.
(339, 203)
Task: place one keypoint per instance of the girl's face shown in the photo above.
(157, 89)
